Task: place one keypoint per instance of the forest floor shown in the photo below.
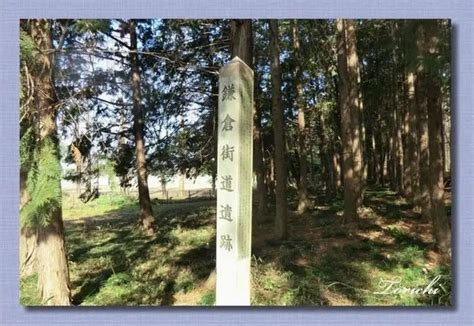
(323, 262)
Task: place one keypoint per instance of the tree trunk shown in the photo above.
(146, 211)
(422, 115)
(354, 105)
(163, 186)
(332, 186)
(379, 152)
(241, 38)
(303, 200)
(336, 159)
(215, 105)
(278, 134)
(362, 134)
(447, 142)
(347, 102)
(399, 149)
(369, 152)
(259, 167)
(326, 158)
(52, 265)
(242, 46)
(405, 134)
(28, 245)
(181, 181)
(51, 258)
(391, 149)
(412, 150)
(398, 121)
(27, 235)
(270, 175)
(441, 228)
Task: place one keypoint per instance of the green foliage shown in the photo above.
(28, 292)
(43, 186)
(75, 209)
(118, 279)
(409, 255)
(27, 147)
(91, 25)
(124, 161)
(208, 299)
(184, 281)
(28, 49)
(444, 297)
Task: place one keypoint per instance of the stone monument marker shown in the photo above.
(234, 184)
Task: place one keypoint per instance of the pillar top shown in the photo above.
(231, 63)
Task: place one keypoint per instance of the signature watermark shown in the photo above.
(396, 286)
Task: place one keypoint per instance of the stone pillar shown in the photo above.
(234, 183)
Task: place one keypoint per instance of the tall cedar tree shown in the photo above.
(146, 212)
(441, 227)
(422, 121)
(242, 46)
(51, 258)
(349, 95)
(411, 139)
(303, 200)
(281, 226)
(354, 103)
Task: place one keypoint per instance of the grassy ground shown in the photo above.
(322, 263)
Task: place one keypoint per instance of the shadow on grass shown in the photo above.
(113, 263)
(389, 205)
(339, 264)
(322, 263)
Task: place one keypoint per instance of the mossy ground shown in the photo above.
(323, 262)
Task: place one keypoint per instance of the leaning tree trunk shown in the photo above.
(441, 228)
(242, 46)
(303, 201)
(51, 258)
(146, 212)
(278, 134)
(347, 124)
